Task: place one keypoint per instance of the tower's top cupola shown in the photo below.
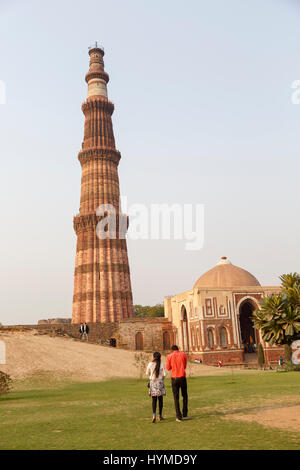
(96, 77)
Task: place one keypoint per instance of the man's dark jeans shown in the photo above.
(177, 384)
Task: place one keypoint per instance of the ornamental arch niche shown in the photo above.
(223, 337)
(210, 337)
(185, 329)
(139, 343)
(166, 341)
(249, 335)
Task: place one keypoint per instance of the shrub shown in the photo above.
(5, 383)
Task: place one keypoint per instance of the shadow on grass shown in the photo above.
(254, 409)
(28, 396)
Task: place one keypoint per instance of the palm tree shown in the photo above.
(278, 317)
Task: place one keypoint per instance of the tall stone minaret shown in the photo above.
(102, 288)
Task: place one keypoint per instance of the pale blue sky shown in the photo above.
(203, 114)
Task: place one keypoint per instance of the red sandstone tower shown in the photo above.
(102, 287)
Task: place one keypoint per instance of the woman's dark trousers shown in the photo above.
(160, 405)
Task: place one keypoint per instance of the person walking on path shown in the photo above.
(156, 372)
(176, 362)
(81, 330)
(84, 331)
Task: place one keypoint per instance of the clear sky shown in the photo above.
(203, 115)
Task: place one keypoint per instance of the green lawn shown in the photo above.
(117, 415)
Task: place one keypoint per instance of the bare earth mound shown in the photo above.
(28, 353)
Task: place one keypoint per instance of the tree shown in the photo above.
(260, 356)
(146, 311)
(278, 317)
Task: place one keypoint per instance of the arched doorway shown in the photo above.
(185, 329)
(210, 336)
(248, 333)
(166, 341)
(223, 337)
(139, 341)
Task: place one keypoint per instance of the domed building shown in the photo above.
(212, 321)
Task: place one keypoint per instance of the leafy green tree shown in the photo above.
(146, 311)
(278, 318)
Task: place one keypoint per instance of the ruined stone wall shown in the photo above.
(55, 320)
(148, 333)
(99, 332)
(135, 334)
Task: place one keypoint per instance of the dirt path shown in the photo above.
(28, 353)
(283, 417)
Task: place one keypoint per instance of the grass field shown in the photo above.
(117, 415)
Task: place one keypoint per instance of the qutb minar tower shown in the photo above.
(102, 287)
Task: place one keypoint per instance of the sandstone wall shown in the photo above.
(135, 334)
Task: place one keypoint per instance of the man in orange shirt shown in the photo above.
(176, 361)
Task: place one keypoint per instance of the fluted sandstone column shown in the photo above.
(102, 287)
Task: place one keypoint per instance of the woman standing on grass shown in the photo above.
(156, 372)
